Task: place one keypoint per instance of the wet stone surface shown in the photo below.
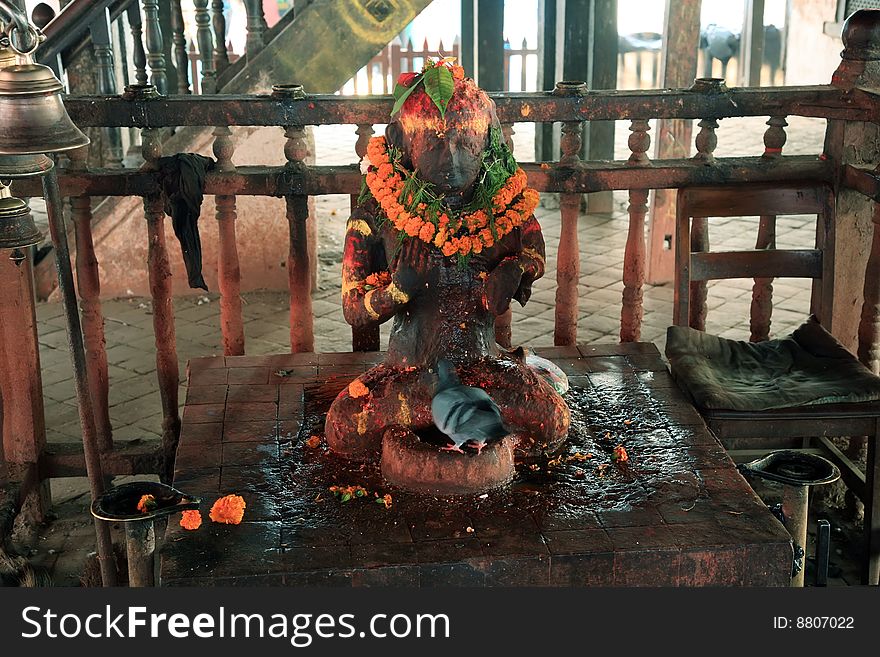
(676, 512)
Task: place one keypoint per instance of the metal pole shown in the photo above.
(823, 548)
(58, 232)
(140, 545)
(794, 510)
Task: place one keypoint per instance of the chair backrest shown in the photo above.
(695, 264)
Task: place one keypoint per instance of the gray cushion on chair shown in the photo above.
(807, 367)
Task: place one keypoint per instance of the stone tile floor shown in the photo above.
(676, 513)
(134, 399)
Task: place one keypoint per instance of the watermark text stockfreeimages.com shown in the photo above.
(300, 629)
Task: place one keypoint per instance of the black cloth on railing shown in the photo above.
(182, 180)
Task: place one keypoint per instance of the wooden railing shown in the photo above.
(847, 105)
(382, 70)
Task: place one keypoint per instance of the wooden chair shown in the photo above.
(811, 426)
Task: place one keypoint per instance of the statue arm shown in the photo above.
(360, 306)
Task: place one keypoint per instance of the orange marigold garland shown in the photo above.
(462, 234)
(191, 520)
(228, 510)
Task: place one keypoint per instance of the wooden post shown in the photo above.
(490, 45)
(568, 259)
(547, 76)
(88, 285)
(681, 38)
(575, 46)
(468, 39)
(855, 143)
(751, 46)
(603, 76)
(163, 305)
(302, 336)
(23, 428)
(228, 268)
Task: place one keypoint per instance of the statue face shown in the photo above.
(450, 158)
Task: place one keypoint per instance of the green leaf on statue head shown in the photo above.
(439, 86)
(401, 93)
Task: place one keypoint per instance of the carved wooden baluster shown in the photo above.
(762, 291)
(775, 137)
(302, 336)
(139, 55)
(102, 47)
(221, 57)
(639, 142)
(88, 284)
(163, 306)
(206, 47)
(228, 268)
(503, 333)
(155, 46)
(632, 308)
(181, 58)
(869, 326)
(364, 338)
(105, 74)
(706, 141)
(698, 290)
(568, 267)
(256, 27)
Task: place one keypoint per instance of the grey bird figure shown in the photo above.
(463, 413)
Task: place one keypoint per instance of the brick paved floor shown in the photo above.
(135, 407)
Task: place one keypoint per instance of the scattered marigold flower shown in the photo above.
(357, 389)
(601, 469)
(627, 422)
(191, 519)
(620, 454)
(544, 165)
(345, 493)
(228, 510)
(385, 499)
(147, 503)
(313, 441)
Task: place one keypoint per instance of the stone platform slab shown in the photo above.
(676, 513)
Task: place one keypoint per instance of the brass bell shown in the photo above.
(32, 117)
(22, 166)
(17, 229)
(7, 58)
